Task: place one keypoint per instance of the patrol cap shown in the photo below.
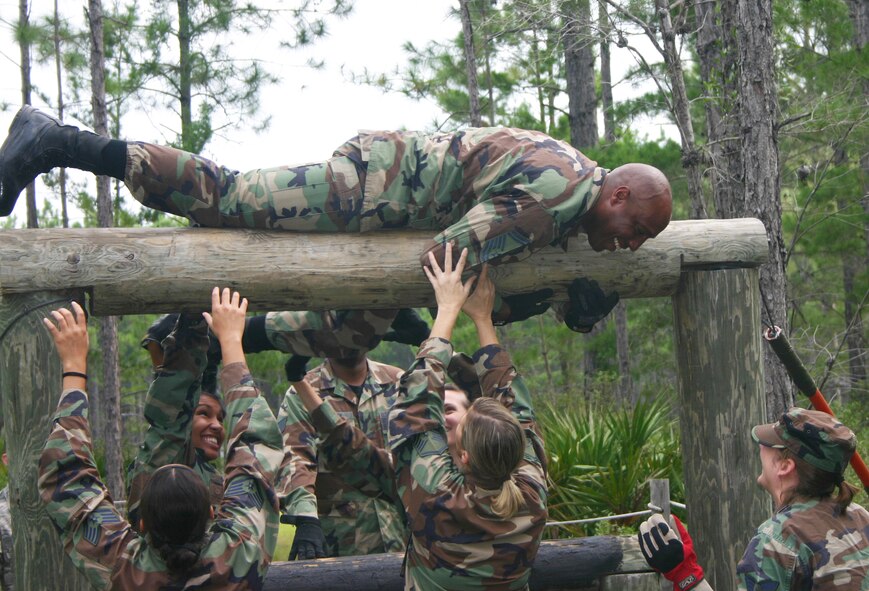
(816, 437)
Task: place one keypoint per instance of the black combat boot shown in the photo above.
(38, 142)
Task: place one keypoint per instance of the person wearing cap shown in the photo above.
(181, 429)
(815, 540)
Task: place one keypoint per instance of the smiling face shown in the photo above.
(207, 433)
(455, 407)
(634, 205)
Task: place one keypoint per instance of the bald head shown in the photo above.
(635, 204)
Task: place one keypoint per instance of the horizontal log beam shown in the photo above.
(560, 564)
(131, 271)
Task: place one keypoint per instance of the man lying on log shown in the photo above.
(501, 193)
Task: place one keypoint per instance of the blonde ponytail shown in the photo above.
(495, 443)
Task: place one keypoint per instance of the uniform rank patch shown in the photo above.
(102, 515)
(246, 491)
(433, 444)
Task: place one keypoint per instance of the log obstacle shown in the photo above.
(709, 267)
(133, 271)
(561, 564)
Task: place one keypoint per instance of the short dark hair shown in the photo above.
(175, 511)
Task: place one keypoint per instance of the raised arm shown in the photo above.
(77, 501)
(248, 516)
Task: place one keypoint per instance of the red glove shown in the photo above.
(666, 554)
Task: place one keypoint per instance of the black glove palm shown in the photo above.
(523, 305)
(661, 549)
(309, 541)
(588, 304)
(408, 328)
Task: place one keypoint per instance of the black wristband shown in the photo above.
(75, 374)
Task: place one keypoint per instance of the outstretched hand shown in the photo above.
(226, 321)
(70, 334)
(480, 303)
(450, 291)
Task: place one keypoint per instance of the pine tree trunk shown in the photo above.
(57, 64)
(26, 91)
(762, 198)
(579, 69)
(692, 160)
(474, 115)
(606, 77)
(110, 404)
(718, 71)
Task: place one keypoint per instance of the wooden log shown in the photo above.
(560, 564)
(129, 271)
(30, 382)
(721, 390)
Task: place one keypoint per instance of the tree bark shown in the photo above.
(716, 54)
(626, 382)
(60, 106)
(606, 77)
(474, 115)
(692, 159)
(110, 399)
(26, 91)
(757, 119)
(579, 72)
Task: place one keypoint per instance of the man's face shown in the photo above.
(455, 407)
(622, 221)
(207, 433)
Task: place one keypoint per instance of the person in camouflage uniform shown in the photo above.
(815, 540)
(235, 550)
(339, 507)
(183, 410)
(476, 515)
(502, 193)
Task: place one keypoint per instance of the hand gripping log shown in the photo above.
(786, 354)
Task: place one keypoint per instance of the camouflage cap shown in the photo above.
(816, 437)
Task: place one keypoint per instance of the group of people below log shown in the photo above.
(443, 460)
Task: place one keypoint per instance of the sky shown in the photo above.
(312, 111)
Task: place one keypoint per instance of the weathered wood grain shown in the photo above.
(130, 271)
(560, 564)
(30, 386)
(721, 391)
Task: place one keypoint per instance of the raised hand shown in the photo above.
(70, 334)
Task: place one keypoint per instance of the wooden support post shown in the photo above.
(30, 384)
(560, 564)
(721, 393)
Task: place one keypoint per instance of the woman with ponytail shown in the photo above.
(180, 542)
(476, 515)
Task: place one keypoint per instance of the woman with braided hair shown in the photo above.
(182, 542)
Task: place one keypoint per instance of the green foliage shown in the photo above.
(601, 459)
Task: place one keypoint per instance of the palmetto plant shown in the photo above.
(601, 461)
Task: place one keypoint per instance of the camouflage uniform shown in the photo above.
(358, 515)
(338, 334)
(502, 193)
(169, 407)
(7, 561)
(457, 542)
(809, 546)
(101, 542)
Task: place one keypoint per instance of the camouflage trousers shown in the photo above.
(317, 197)
(337, 334)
